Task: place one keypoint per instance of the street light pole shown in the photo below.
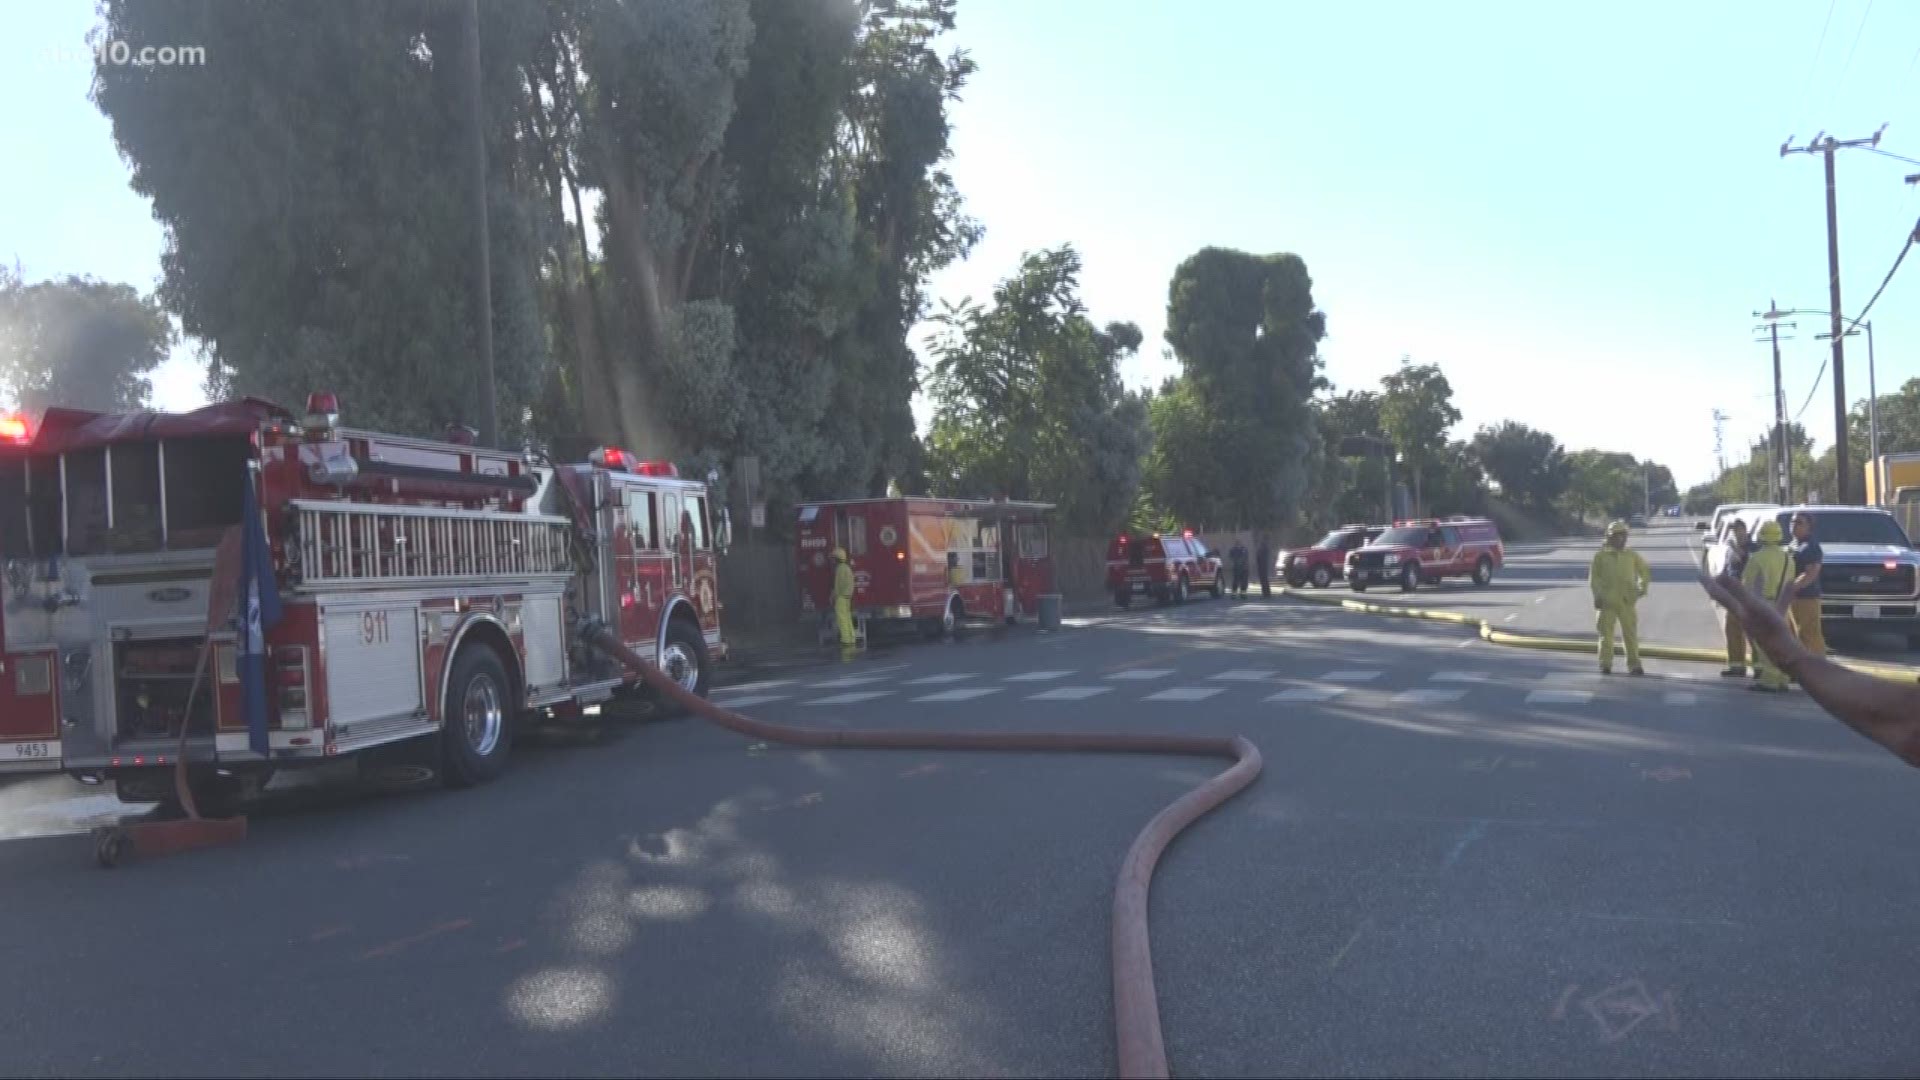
(1873, 414)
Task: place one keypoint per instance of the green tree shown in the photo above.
(1244, 441)
(1416, 409)
(1529, 465)
(79, 343)
(1350, 486)
(1028, 402)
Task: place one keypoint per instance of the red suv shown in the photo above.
(1326, 560)
(1167, 568)
(1413, 552)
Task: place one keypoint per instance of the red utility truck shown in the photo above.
(1167, 568)
(425, 589)
(1413, 553)
(930, 561)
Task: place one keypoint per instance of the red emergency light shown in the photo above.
(610, 457)
(657, 468)
(323, 410)
(13, 428)
(1188, 534)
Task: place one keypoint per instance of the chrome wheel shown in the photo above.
(484, 716)
(681, 666)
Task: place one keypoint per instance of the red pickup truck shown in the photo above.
(1167, 568)
(1416, 552)
(1325, 562)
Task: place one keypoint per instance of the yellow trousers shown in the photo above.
(1736, 641)
(843, 615)
(1623, 616)
(1804, 616)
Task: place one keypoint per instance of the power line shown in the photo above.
(1856, 40)
(1891, 154)
(1807, 90)
(1897, 259)
(1821, 374)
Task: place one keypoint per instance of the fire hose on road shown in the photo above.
(1136, 1011)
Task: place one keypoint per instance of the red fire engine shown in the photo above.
(932, 561)
(427, 588)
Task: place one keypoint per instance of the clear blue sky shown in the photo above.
(1572, 210)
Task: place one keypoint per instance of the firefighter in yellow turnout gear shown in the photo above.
(1619, 578)
(1768, 570)
(843, 597)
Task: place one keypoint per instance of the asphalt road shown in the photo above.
(1461, 860)
(1543, 588)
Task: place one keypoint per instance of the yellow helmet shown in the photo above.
(1617, 528)
(1770, 532)
(839, 554)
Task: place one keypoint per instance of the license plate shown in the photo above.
(1139, 586)
(1866, 611)
(30, 751)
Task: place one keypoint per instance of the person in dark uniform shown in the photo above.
(1238, 558)
(1263, 562)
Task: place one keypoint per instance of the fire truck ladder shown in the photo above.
(338, 544)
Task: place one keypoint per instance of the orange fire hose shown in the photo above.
(1136, 1010)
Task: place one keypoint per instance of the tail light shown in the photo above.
(291, 675)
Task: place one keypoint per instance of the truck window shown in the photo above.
(856, 534)
(87, 532)
(136, 496)
(1033, 541)
(15, 538)
(1450, 537)
(203, 488)
(697, 511)
(640, 517)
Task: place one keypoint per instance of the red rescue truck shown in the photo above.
(427, 589)
(930, 561)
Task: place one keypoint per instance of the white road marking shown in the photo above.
(1308, 693)
(750, 699)
(1559, 697)
(941, 680)
(763, 684)
(851, 680)
(1351, 676)
(1184, 693)
(851, 699)
(965, 693)
(1245, 675)
(1070, 693)
(1681, 697)
(1141, 674)
(1429, 696)
(1460, 676)
(1038, 676)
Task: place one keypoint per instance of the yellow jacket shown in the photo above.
(1619, 577)
(1767, 571)
(843, 582)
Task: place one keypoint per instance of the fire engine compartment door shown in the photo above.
(373, 662)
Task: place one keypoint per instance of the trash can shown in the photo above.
(1050, 611)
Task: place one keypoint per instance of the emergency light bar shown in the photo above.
(610, 457)
(657, 468)
(13, 428)
(323, 410)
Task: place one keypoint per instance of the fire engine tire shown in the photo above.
(1182, 591)
(684, 648)
(1217, 590)
(1322, 577)
(1357, 585)
(1295, 578)
(1410, 578)
(1483, 572)
(476, 719)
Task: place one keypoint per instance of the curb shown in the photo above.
(1553, 643)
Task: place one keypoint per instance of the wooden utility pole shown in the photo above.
(1782, 475)
(1825, 145)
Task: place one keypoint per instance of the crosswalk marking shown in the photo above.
(851, 680)
(1245, 675)
(1460, 676)
(1070, 693)
(1681, 697)
(762, 684)
(964, 693)
(1038, 676)
(1140, 674)
(1559, 697)
(749, 700)
(851, 699)
(1429, 696)
(1351, 676)
(939, 680)
(1185, 693)
(1308, 693)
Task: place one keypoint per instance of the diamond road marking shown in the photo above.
(1070, 693)
(1559, 697)
(1428, 697)
(1246, 676)
(1308, 693)
(1351, 676)
(1038, 676)
(850, 699)
(750, 699)
(851, 680)
(965, 693)
(941, 680)
(1141, 674)
(1460, 676)
(1184, 693)
(1681, 697)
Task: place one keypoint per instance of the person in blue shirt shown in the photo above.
(1804, 612)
